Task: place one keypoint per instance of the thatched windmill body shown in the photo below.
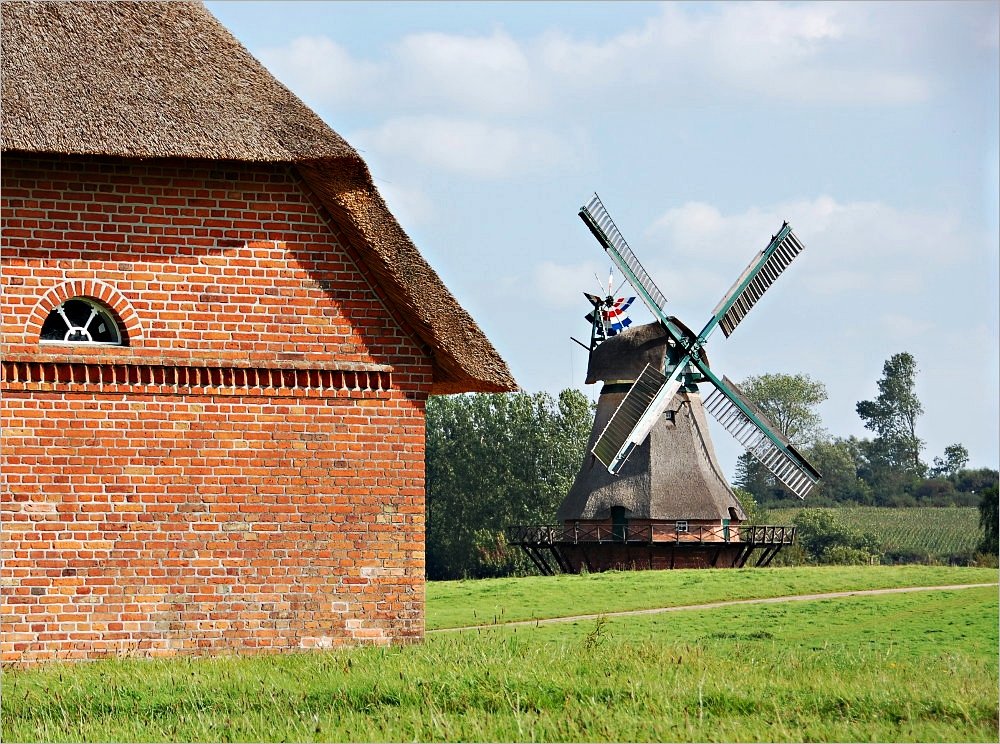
(650, 492)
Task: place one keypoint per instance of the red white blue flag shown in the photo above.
(615, 318)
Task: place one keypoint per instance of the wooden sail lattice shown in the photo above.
(606, 231)
(763, 271)
(635, 416)
(790, 468)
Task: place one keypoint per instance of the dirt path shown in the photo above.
(711, 605)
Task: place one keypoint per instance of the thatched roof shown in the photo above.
(167, 80)
(674, 474)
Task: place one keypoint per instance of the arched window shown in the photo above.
(81, 320)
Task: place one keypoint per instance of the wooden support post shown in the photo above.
(715, 558)
(537, 559)
(561, 560)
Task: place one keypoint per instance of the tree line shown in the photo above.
(494, 461)
(887, 469)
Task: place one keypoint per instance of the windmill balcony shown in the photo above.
(594, 547)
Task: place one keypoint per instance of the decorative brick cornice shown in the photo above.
(157, 379)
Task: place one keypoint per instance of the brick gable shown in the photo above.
(247, 473)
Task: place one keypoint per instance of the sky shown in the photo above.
(872, 128)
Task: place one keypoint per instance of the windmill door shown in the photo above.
(619, 523)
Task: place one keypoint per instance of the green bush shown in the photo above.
(907, 555)
(497, 557)
(844, 555)
(826, 540)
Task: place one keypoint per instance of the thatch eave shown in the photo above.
(165, 80)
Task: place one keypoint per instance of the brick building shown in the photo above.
(218, 344)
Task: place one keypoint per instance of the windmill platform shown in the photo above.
(595, 548)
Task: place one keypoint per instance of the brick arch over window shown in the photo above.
(128, 320)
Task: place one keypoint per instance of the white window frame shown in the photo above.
(98, 310)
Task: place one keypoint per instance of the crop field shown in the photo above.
(899, 667)
(939, 532)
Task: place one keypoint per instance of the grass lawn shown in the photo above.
(453, 604)
(906, 667)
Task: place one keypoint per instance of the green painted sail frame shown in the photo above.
(692, 348)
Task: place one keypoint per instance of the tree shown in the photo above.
(756, 480)
(494, 461)
(956, 457)
(976, 481)
(839, 460)
(788, 401)
(988, 516)
(755, 513)
(893, 417)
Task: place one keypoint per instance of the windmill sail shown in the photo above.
(652, 392)
(635, 416)
(752, 429)
(604, 229)
(763, 270)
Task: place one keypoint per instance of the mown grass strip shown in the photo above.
(462, 603)
(914, 667)
(714, 605)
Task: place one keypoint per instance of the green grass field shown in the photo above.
(903, 667)
(453, 604)
(939, 532)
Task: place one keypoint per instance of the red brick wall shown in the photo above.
(247, 473)
(660, 556)
(655, 544)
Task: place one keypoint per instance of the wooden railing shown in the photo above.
(768, 534)
(756, 534)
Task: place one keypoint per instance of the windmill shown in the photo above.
(651, 493)
(687, 365)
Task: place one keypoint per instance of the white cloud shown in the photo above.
(988, 34)
(813, 53)
(856, 252)
(902, 327)
(764, 51)
(851, 246)
(687, 284)
(486, 74)
(839, 281)
(562, 285)
(322, 71)
(468, 147)
(411, 206)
